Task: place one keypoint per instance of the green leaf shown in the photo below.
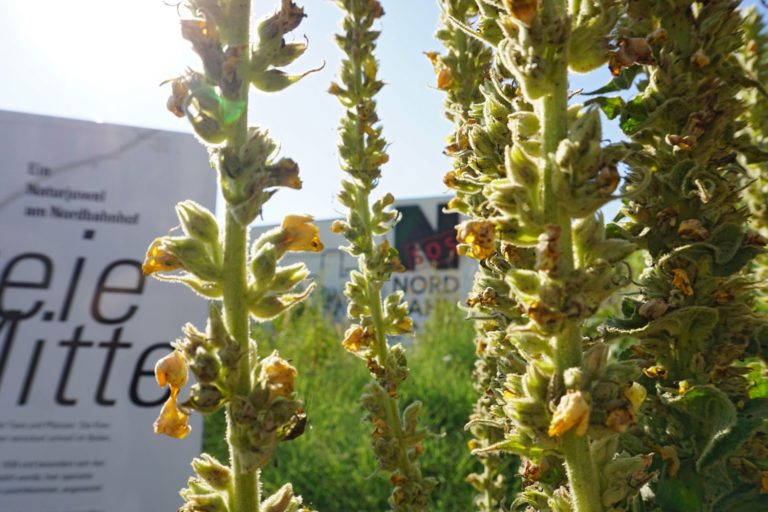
(611, 106)
(727, 238)
(758, 387)
(620, 83)
(633, 116)
(723, 444)
(741, 258)
(684, 494)
(748, 501)
(708, 414)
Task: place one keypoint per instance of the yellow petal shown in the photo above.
(171, 370)
(682, 282)
(299, 234)
(572, 411)
(479, 235)
(280, 375)
(158, 259)
(172, 422)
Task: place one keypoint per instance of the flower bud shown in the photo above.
(172, 253)
(204, 398)
(213, 502)
(263, 265)
(288, 277)
(217, 475)
(268, 307)
(198, 222)
(279, 501)
(285, 173)
(205, 366)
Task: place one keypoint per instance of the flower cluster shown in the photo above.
(257, 393)
(397, 437)
(694, 318)
(530, 173)
(462, 70)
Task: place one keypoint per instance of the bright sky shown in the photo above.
(103, 60)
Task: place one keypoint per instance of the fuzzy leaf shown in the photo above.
(751, 418)
(684, 494)
(727, 238)
(620, 83)
(710, 415)
(611, 107)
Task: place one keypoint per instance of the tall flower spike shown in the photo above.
(396, 438)
(531, 173)
(462, 71)
(694, 317)
(258, 395)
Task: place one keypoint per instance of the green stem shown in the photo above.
(582, 475)
(246, 495)
(235, 284)
(380, 338)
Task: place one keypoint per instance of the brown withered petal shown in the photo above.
(682, 282)
(523, 10)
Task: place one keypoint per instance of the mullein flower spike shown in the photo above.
(530, 172)
(694, 318)
(396, 437)
(214, 261)
(462, 72)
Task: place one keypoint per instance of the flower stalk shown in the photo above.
(694, 318)
(397, 437)
(531, 174)
(243, 284)
(461, 71)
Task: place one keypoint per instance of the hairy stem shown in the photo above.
(245, 496)
(582, 475)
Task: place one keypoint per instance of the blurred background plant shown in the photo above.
(332, 462)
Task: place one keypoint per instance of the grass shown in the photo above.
(332, 465)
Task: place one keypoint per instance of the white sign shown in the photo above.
(80, 327)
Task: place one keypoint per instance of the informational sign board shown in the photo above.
(425, 236)
(80, 327)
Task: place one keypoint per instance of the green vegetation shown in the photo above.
(332, 465)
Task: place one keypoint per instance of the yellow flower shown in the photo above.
(478, 235)
(159, 259)
(356, 338)
(636, 394)
(172, 371)
(444, 79)
(280, 375)
(299, 234)
(656, 372)
(172, 422)
(682, 282)
(572, 411)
